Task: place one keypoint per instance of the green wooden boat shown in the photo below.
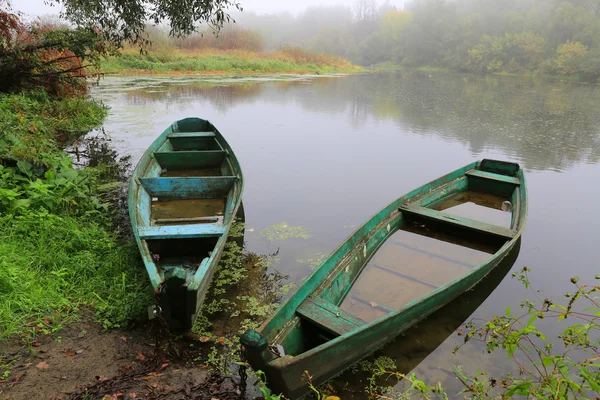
(184, 195)
(407, 261)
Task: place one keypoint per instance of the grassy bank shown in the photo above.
(213, 61)
(390, 66)
(59, 250)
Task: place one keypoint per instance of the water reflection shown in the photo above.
(545, 125)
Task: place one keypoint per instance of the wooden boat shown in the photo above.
(184, 194)
(407, 261)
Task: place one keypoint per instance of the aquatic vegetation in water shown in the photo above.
(242, 294)
(283, 231)
(313, 262)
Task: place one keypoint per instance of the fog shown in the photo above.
(38, 7)
(484, 36)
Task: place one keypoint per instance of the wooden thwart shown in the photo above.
(176, 135)
(328, 316)
(494, 177)
(189, 159)
(186, 220)
(466, 223)
(191, 231)
(189, 187)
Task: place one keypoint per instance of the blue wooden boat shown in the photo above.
(184, 195)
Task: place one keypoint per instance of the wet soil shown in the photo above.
(89, 362)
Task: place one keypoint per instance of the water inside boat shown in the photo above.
(185, 211)
(188, 253)
(480, 206)
(418, 259)
(191, 172)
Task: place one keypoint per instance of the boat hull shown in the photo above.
(330, 284)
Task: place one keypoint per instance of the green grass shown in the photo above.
(34, 125)
(288, 61)
(52, 266)
(59, 250)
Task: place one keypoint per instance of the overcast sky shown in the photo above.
(37, 7)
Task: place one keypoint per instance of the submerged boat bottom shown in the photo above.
(407, 267)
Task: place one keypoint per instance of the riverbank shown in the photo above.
(215, 62)
(391, 67)
(61, 249)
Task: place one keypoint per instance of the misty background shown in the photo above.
(484, 36)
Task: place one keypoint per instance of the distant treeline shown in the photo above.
(512, 36)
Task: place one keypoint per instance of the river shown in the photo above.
(325, 153)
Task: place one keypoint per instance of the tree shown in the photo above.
(125, 20)
(38, 55)
(365, 10)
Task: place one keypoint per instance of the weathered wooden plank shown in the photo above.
(328, 316)
(181, 231)
(189, 159)
(466, 223)
(188, 188)
(186, 220)
(191, 135)
(494, 177)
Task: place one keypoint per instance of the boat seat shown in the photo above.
(194, 141)
(189, 159)
(466, 223)
(191, 231)
(188, 135)
(208, 187)
(494, 177)
(328, 316)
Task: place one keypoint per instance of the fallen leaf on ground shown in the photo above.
(331, 398)
(165, 365)
(42, 365)
(221, 340)
(37, 343)
(123, 338)
(101, 378)
(69, 352)
(373, 304)
(140, 356)
(132, 395)
(127, 368)
(204, 339)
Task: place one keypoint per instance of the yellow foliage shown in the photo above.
(394, 22)
(568, 56)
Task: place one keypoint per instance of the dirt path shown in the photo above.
(90, 363)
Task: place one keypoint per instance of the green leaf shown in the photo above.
(507, 313)
(521, 389)
(593, 384)
(547, 361)
(510, 349)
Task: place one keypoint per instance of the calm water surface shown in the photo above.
(326, 153)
